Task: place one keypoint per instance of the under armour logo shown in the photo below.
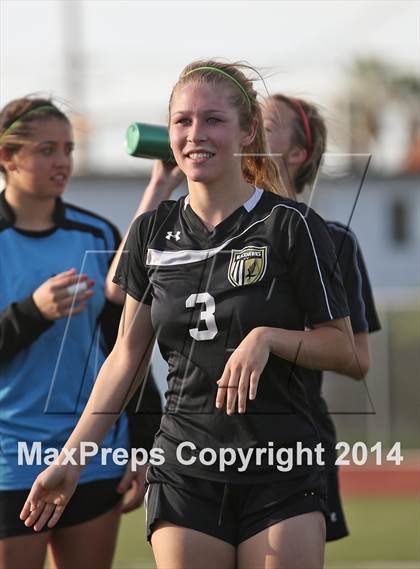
(333, 517)
(176, 235)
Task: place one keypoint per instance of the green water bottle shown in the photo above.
(148, 141)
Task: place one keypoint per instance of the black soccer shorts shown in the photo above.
(89, 501)
(336, 521)
(229, 511)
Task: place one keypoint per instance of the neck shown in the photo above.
(287, 174)
(214, 202)
(31, 212)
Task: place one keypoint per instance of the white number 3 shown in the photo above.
(207, 315)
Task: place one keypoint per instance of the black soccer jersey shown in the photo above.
(363, 318)
(270, 263)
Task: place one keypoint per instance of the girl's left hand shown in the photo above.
(242, 372)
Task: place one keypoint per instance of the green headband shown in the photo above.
(15, 122)
(221, 72)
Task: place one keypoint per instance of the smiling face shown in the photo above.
(43, 165)
(205, 133)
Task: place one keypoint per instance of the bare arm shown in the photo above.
(120, 375)
(118, 378)
(329, 346)
(165, 178)
(360, 361)
(361, 357)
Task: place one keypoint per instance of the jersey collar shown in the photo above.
(224, 228)
(7, 215)
(248, 205)
(253, 200)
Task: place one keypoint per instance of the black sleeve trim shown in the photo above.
(144, 299)
(114, 229)
(354, 268)
(87, 212)
(109, 320)
(131, 274)
(367, 293)
(21, 324)
(346, 248)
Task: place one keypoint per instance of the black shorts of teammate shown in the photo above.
(231, 512)
(336, 521)
(89, 501)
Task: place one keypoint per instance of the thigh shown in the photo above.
(294, 543)
(176, 547)
(90, 501)
(89, 544)
(11, 504)
(23, 552)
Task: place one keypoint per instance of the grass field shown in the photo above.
(384, 532)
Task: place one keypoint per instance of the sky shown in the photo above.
(131, 52)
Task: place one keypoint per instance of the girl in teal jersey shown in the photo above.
(54, 325)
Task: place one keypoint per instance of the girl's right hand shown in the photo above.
(166, 177)
(49, 495)
(55, 300)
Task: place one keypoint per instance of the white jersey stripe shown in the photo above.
(172, 258)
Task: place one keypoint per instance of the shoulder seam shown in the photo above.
(114, 229)
(91, 214)
(348, 233)
(69, 224)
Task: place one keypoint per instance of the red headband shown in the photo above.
(304, 118)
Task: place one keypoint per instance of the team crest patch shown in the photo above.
(247, 265)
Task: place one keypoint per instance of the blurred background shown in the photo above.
(109, 63)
